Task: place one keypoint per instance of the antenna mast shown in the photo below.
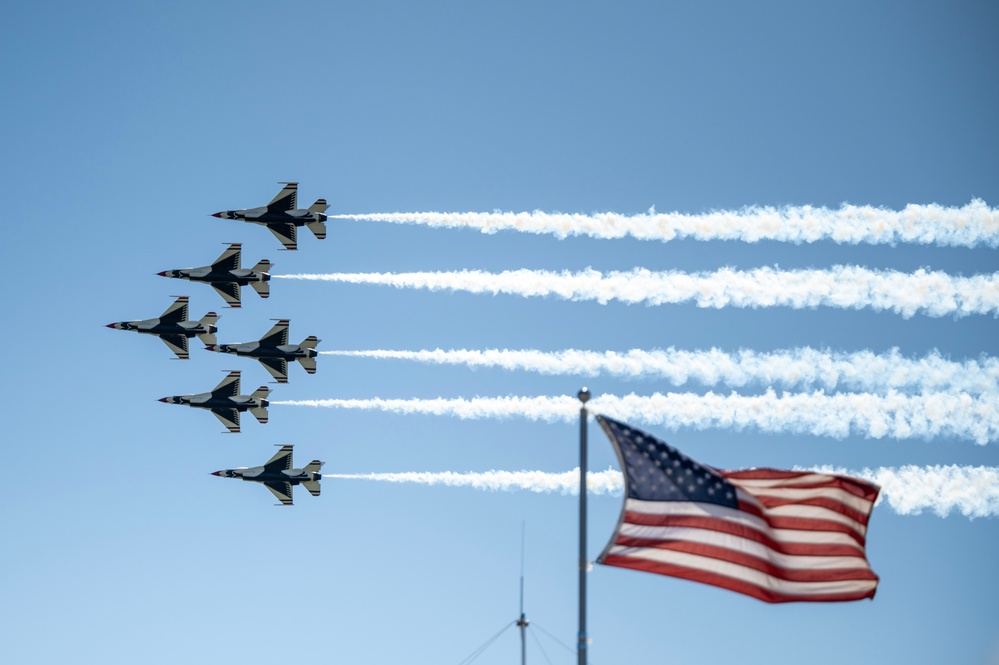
(522, 622)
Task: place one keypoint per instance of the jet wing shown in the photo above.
(286, 233)
(277, 367)
(282, 490)
(228, 387)
(229, 292)
(281, 460)
(286, 199)
(177, 344)
(276, 336)
(229, 418)
(229, 260)
(176, 312)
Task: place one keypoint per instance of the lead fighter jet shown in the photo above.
(273, 351)
(282, 217)
(226, 402)
(174, 329)
(226, 276)
(278, 476)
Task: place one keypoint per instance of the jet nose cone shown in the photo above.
(217, 214)
(216, 473)
(209, 347)
(112, 325)
(164, 399)
(162, 273)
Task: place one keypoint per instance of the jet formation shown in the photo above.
(274, 352)
(225, 275)
(174, 329)
(282, 217)
(278, 476)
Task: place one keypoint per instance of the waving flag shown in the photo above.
(778, 536)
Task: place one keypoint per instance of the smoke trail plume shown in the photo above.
(967, 226)
(874, 416)
(794, 368)
(974, 491)
(597, 482)
(933, 293)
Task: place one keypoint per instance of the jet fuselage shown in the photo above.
(259, 474)
(242, 276)
(157, 327)
(258, 350)
(210, 401)
(265, 216)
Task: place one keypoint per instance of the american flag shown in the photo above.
(778, 536)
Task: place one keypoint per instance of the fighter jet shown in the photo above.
(273, 351)
(278, 476)
(226, 276)
(282, 216)
(174, 329)
(226, 402)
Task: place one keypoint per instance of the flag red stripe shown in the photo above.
(855, 486)
(725, 582)
(790, 523)
(735, 529)
(837, 494)
(749, 561)
(801, 523)
(831, 504)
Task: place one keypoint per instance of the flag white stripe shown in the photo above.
(933, 293)
(793, 368)
(734, 515)
(744, 546)
(853, 501)
(966, 226)
(817, 513)
(781, 536)
(803, 479)
(743, 573)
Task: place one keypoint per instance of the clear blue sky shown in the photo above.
(125, 125)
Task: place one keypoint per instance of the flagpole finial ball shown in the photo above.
(584, 395)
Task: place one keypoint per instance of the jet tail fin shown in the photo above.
(319, 206)
(260, 413)
(262, 266)
(309, 364)
(310, 342)
(261, 393)
(313, 485)
(263, 289)
(318, 229)
(208, 321)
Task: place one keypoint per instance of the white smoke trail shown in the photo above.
(874, 416)
(967, 226)
(933, 293)
(974, 491)
(794, 368)
(597, 482)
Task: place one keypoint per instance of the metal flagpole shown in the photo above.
(584, 396)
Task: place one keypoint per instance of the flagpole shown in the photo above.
(584, 396)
